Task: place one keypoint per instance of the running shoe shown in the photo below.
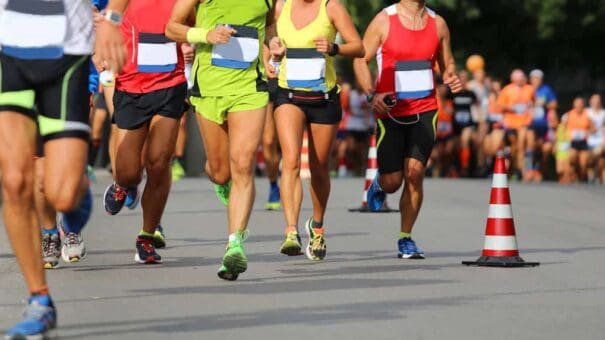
(409, 250)
(178, 171)
(146, 253)
(159, 239)
(73, 249)
(316, 248)
(114, 199)
(274, 202)
(133, 196)
(375, 196)
(292, 245)
(39, 319)
(222, 192)
(235, 261)
(51, 250)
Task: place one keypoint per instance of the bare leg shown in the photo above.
(413, 193)
(321, 139)
(216, 145)
(270, 153)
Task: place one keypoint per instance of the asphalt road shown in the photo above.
(361, 290)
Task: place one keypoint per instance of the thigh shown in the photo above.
(64, 165)
(420, 138)
(216, 139)
(391, 146)
(245, 131)
(17, 142)
(129, 148)
(161, 139)
(290, 124)
(269, 130)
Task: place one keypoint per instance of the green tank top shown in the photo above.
(234, 68)
(303, 68)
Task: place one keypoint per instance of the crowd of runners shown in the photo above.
(255, 72)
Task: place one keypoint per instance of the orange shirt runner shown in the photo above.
(516, 102)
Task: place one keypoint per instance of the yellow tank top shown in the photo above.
(309, 70)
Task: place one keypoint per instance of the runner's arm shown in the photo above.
(179, 30)
(445, 59)
(109, 45)
(353, 47)
(371, 43)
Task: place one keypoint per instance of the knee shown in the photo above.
(242, 164)
(17, 185)
(391, 183)
(268, 142)
(291, 163)
(414, 176)
(128, 177)
(64, 197)
(157, 165)
(218, 171)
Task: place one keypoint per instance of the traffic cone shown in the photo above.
(305, 172)
(500, 248)
(371, 172)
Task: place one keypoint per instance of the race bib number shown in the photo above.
(240, 52)
(539, 113)
(156, 53)
(444, 127)
(414, 79)
(33, 29)
(520, 108)
(578, 135)
(305, 68)
(463, 117)
(495, 117)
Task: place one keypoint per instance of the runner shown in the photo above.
(270, 143)
(308, 97)
(149, 98)
(546, 104)
(358, 126)
(596, 141)
(341, 168)
(409, 39)
(466, 111)
(230, 97)
(517, 101)
(47, 69)
(579, 126)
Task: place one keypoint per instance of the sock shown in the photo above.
(144, 233)
(318, 227)
(273, 184)
(180, 159)
(95, 145)
(75, 220)
(291, 229)
(529, 160)
(465, 157)
(42, 291)
(54, 231)
(404, 235)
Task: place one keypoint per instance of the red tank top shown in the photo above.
(405, 62)
(154, 62)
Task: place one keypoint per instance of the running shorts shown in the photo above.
(408, 137)
(215, 109)
(133, 110)
(328, 112)
(53, 92)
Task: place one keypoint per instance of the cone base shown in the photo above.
(500, 261)
(365, 209)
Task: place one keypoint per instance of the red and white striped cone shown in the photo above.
(305, 172)
(371, 172)
(500, 248)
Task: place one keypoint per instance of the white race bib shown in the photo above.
(305, 68)
(240, 52)
(539, 113)
(463, 117)
(578, 135)
(520, 108)
(33, 29)
(156, 53)
(414, 79)
(495, 117)
(444, 127)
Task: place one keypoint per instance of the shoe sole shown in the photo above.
(227, 276)
(411, 257)
(308, 249)
(49, 334)
(105, 204)
(73, 259)
(149, 260)
(273, 206)
(235, 263)
(291, 248)
(51, 265)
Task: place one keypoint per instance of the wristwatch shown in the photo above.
(334, 50)
(370, 97)
(112, 17)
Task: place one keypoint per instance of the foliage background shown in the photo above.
(565, 38)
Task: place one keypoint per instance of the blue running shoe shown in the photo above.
(39, 319)
(132, 198)
(376, 197)
(409, 250)
(75, 220)
(274, 202)
(114, 198)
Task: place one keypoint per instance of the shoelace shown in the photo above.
(147, 246)
(36, 312)
(72, 238)
(47, 245)
(119, 194)
(317, 242)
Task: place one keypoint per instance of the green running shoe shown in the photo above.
(316, 248)
(291, 245)
(222, 192)
(178, 171)
(159, 239)
(235, 261)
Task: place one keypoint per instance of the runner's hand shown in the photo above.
(271, 71)
(110, 46)
(188, 53)
(277, 49)
(323, 45)
(99, 64)
(220, 35)
(450, 78)
(97, 17)
(378, 104)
